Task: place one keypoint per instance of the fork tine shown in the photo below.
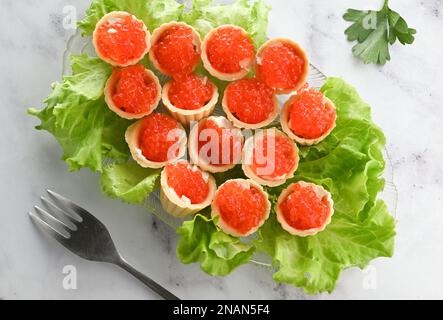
(49, 229)
(64, 216)
(69, 205)
(52, 220)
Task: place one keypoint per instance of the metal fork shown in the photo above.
(83, 234)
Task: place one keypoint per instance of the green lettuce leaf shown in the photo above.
(153, 12)
(129, 182)
(252, 16)
(315, 263)
(77, 116)
(218, 253)
(350, 165)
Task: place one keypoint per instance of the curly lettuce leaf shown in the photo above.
(252, 16)
(129, 182)
(153, 12)
(219, 254)
(349, 164)
(315, 263)
(77, 116)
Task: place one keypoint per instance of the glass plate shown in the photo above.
(79, 45)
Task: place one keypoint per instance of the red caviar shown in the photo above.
(225, 141)
(309, 115)
(250, 100)
(280, 66)
(122, 39)
(241, 208)
(158, 135)
(274, 156)
(176, 50)
(135, 91)
(187, 182)
(304, 210)
(229, 50)
(190, 92)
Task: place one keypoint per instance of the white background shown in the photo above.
(407, 100)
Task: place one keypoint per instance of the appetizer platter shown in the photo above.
(233, 139)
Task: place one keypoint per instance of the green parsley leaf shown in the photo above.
(374, 31)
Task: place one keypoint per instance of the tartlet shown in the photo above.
(231, 39)
(236, 205)
(166, 140)
(185, 201)
(293, 70)
(164, 38)
(187, 114)
(108, 44)
(270, 169)
(250, 104)
(304, 226)
(311, 115)
(151, 84)
(198, 139)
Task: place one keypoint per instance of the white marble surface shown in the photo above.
(407, 103)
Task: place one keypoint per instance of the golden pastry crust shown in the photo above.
(224, 226)
(304, 77)
(243, 125)
(177, 206)
(321, 192)
(284, 120)
(248, 152)
(156, 35)
(110, 85)
(221, 75)
(119, 15)
(194, 151)
(132, 139)
(188, 116)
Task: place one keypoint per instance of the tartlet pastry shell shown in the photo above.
(156, 35)
(194, 152)
(248, 154)
(186, 117)
(178, 208)
(132, 138)
(225, 226)
(243, 125)
(117, 15)
(110, 84)
(221, 75)
(284, 120)
(303, 78)
(321, 192)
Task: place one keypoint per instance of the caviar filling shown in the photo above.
(134, 91)
(218, 146)
(239, 207)
(310, 117)
(190, 92)
(280, 66)
(273, 156)
(229, 50)
(159, 137)
(304, 210)
(250, 101)
(188, 182)
(176, 51)
(121, 39)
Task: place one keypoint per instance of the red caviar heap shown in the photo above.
(303, 210)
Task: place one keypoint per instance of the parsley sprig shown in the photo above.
(375, 31)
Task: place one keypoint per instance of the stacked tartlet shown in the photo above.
(269, 157)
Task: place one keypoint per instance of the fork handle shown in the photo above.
(161, 291)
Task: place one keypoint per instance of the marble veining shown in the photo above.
(407, 103)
